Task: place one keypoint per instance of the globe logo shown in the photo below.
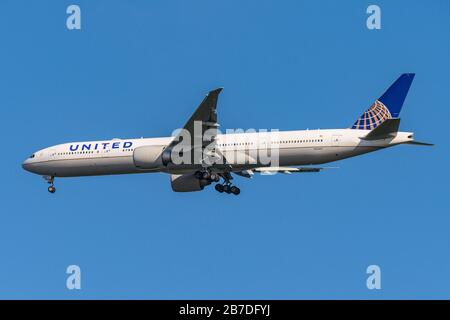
(373, 117)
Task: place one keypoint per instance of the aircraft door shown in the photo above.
(336, 140)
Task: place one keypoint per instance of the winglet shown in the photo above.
(215, 91)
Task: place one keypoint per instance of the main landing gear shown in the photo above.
(207, 177)
(227, 187)
(50, 180)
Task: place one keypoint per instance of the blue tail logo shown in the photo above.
(388, 106)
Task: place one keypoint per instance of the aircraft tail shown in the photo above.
(388, 129)
(388, 106)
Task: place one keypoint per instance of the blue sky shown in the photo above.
(139, 68)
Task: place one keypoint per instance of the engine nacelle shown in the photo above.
(187, 182)
(148, 157)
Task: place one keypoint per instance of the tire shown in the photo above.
(235, 190)
(219, 187)
(51, 189)
(206, 175)
(226, 188)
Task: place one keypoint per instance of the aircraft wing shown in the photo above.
(202, 123)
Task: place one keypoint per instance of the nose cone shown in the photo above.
(26, 165)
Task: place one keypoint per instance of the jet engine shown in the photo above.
(187, 182)
(148, 157)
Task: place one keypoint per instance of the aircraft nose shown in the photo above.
(26, 165)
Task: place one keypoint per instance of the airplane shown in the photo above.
(199, 154)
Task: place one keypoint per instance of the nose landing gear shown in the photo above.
(50, 180)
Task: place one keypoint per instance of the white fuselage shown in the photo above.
(302, 147)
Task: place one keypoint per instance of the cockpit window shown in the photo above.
(32, 156)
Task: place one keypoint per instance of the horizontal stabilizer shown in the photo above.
(288, 170)
(387, 129)
(418, 143)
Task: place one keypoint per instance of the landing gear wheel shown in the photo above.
(219, 187)
(206, 175)
(215, 177)
(51, 189)
(227, 188)
(235, 190)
